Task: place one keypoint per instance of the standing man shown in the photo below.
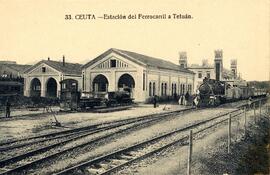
(7, 108)
(155, 101)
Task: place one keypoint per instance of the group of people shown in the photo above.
(184, 99)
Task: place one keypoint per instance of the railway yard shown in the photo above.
(137, 140)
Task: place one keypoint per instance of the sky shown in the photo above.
(32, 30)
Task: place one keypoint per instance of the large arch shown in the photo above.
(35, 87)
(51, 88)
(100, 83)
(126, 82)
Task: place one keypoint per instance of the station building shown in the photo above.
(43, 79)
(142, 75)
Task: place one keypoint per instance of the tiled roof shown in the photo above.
(68, 68)
(196, 66)
(17, 67)
(142, 60)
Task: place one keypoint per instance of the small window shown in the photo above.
(208, 75)
(43, 69)
(113, 63)
(64, 86)
(199, 75)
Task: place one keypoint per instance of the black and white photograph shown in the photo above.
(95, 87)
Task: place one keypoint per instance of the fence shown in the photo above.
(245, 109)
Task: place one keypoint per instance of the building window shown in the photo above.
(199, 75)
(165, 89)
(150, 89)
(175, 92)
(154, 88)
(43, 69)
(162, 89)
(113, 63)
(183, 88)
(208, 75)
(189, 89)
(64, 86)
(172, 88)
(143, 81)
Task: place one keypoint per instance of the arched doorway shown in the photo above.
(51, 90)
(100, 83)
(35, 90)
(126, 83)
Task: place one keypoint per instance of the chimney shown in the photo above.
(48, 58)
(234, 68)
(204, 62)
(183, 59)
(218, 64)
(64, 62)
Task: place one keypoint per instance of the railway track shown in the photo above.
(11, 165)
(8, 166)
(30, 140)
(46, 137)
(111, 162)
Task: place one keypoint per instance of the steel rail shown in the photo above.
(107, 156)
(20, 157)
(90, 127)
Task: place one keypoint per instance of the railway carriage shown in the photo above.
(72, 99)
(69, 95)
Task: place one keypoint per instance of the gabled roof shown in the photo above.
(68, 68)
(17, 67)
(141, 60)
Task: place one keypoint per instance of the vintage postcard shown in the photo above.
(135, 87)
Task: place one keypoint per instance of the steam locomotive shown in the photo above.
(214, 93)
(72, 99)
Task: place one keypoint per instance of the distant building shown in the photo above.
(11, 78)
(212, 71)
(202, 71)
(8, 70)
(42, 79)
(8, 62)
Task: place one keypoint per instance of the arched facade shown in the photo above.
(126, 83)
(51, 88)
(49, 75)
(100, 83)
(35, 88)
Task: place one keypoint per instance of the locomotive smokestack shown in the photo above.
(64, 62)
